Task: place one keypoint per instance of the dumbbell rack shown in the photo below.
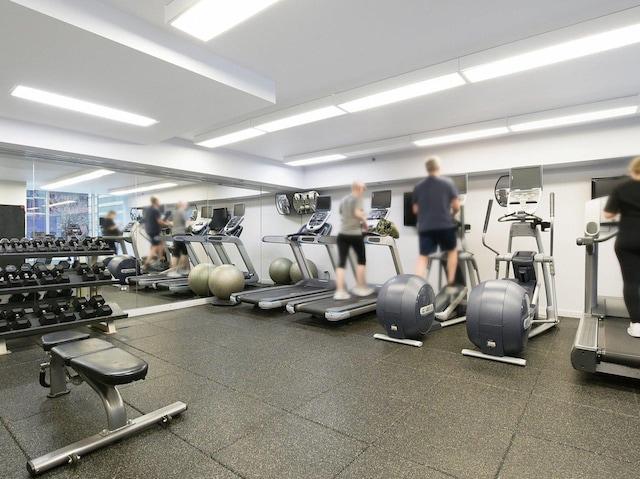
(75, 282)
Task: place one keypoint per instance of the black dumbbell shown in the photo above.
(66, 316)
(10, 269)
(52, 293)
(4, 325)
(96, 301)
(40, 269)
(63, 278)
(88, 312)
(79, 303)
(25, 268)
(89, 276)
(47, 279)
(104, 310)
(4, 283)
(14, 280)
(14, 313)
(48, 318)
(33, 296)
(16, 298)
(65, 293)
(31, 280)
(42, 307)
(81, 267)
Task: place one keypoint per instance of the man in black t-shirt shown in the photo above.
(153, 224)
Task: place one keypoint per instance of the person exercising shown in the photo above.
(352, 223)
(181, 219)
(153, 224)
(435, 202)
(625, 200)
(109, 228)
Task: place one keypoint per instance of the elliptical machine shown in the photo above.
(407, 307)
(502, 314)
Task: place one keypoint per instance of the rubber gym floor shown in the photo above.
(273, 395)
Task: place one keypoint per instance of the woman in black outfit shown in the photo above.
(625, 200)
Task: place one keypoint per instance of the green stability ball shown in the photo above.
(199, 278)
(279, 270)
(226, 280)
(296, 275)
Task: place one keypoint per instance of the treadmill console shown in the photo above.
(525, 190)
(233, 228)
(321, 215)
(380, 208)
(201, 227)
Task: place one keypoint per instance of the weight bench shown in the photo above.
(103, 367)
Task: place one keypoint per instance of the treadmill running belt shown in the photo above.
(616, 345)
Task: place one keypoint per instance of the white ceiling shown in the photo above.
(311, 49)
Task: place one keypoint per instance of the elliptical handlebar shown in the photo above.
(486, 226)
(487, 217)
(552, 214)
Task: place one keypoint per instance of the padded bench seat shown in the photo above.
(110, 366)
(67, 351)
(54, 339)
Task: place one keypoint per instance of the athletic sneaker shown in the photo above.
(340, 295)
(634, 330)
(363, 290)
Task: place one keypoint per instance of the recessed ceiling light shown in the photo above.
(56, 185)
(141, 189)
(569, 50)
(405, 92)
(231, 138)
(210, 18)
(81, 106)
(301, 119)
(316, 160)
(574, 119)
(460, 137)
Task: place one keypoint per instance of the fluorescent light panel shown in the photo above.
(405, 92)
(460, 137)
(316, 160)
(81, 106)
(76, 179)
(231, 138)
(142, 189)
(574, 119)
(60, 203)
(210, 18)
(301, 119)
(581, 47)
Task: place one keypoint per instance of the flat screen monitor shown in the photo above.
(381, 199)
(410, 219)
(525, 178)
(323, 203)
(219, 218)
(604, 186)
(461, 182)
(238, 210)
(206, 212)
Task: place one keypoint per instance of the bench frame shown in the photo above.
(119, 426)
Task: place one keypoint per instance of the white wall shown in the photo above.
(13, 193)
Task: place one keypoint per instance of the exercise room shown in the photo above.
(324, 239)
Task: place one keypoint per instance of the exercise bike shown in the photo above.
(502, 314)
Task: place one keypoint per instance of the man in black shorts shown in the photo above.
(435, 202)
(153, 224)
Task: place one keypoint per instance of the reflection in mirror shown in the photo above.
(501, 190)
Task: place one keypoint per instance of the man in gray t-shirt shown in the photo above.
(352, 222)
(435, 201)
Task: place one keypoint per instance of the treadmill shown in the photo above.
(310, 233)
(339, 310)
(602, 344)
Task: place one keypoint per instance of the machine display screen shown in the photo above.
(238, 210)
(323, 203)
(381, 199)
(526, 178)
(219, 218)
(206, 212)
(604, 186)
(461, 182)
